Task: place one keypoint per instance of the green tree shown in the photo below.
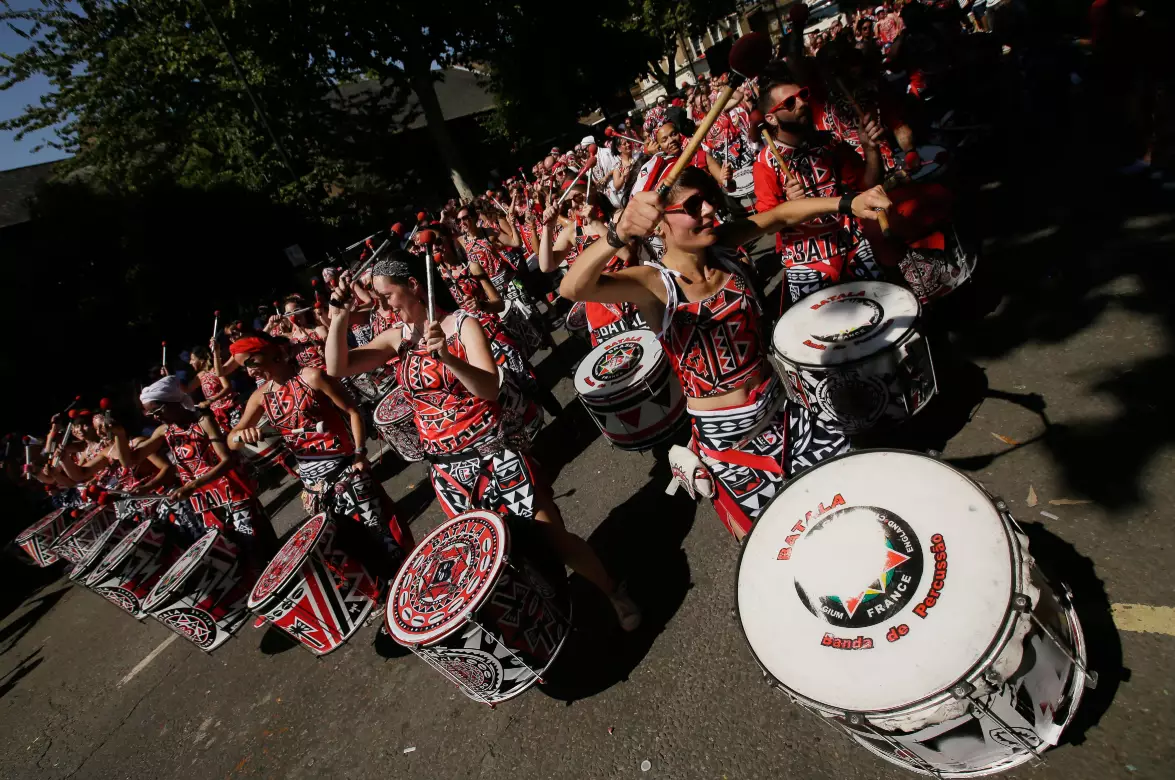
(664, 23)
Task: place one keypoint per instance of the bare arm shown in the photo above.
(224, 463)
(249, 419)
(493, 301)
(794, 212)
(338, 396)
(342, 361)
(164, 474)
(552, 251)
(586, 281)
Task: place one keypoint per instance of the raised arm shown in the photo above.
(343, 361)
(790, 213)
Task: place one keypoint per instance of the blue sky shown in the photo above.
(14, 154)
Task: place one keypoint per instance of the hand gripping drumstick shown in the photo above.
(587, 166)
(318, 427)
(613, 134)
(215, 323)
(748, 56)
(882, 217)
(426, 238)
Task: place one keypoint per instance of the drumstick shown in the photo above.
(613, 134)
(501, 208)
(215, 323)
(298, 311)
(361, 242)
(318, 427)
(421, 217)
(427, 238)
(165, 355)
(882, 217)
(363, 266)
(317, 292)
(748, 56)
(589, 184)
(28, 460)
(586, 166)
(523, 174)
(61, 444)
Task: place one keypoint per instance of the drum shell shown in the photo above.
(395, 424)
(935, 273)
(130, 570)
(267, 451)
(104, 543)
(875, 391)
(37, 540)
(325, 596)
(77, 541)
(208, 604)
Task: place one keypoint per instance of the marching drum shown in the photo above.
(477, 613)
(853, 355)
(395, 424)
(314, 591)
(37, 540)
(128, 572)
(77, 542)
(202, 596)
(266, 452)
(109, 537)
(932, 271)
(891, 595)
(630, 390)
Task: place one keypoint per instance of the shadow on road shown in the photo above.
(641, 543)
(22, 669)
(37, 608)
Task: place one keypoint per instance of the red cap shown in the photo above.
(318, 304)
(421, 216)
(73, 513)
(367, 241)
(313, 282)
(609, 132)
(104, 499)
(165, 343)
(104, 403)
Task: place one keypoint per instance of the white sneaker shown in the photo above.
(627, 611)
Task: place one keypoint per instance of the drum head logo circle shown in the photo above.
(853, 318)
(618, 362)
(446, 577)
(857, 566)
(288, 559)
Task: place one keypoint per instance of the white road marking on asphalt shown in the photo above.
(150, 657)
(1144, 618)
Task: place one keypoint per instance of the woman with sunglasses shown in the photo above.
(218, 495)
(832, 247)
(448, 370)
(324, 430)
(702, 305)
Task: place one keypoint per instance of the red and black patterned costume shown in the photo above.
(715, 346)
(834, 113)
(226, 410)
(307, 348)
(229, 501)
(463, 437)
(826, 250)
(324, 463)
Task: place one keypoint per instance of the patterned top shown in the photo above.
(195, 456)
(490, 258)
(448, 416)
(466, 290)
(296, 404)
(308, 348)
(714, 345)
(210, 385)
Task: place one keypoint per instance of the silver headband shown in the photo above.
(396, 268)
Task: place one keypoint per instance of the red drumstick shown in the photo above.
(215, 323)
(613, 134)
(426, 238)
(586, 167)
(165, 354)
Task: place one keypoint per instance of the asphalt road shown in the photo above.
(1061, 389)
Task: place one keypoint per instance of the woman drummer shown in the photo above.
(448, 371)
(218, 495)
(324, 429)
(219, 396)
(305, 334)
(701, 303)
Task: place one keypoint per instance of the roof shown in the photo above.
(16, 187)
(459, 91)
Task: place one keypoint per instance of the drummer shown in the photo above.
(219, 496)
(832, 248)
(304, 333)
(704, 310)
(219, 396)
(448, 371)
(332, 464)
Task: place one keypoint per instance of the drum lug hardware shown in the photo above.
(1021, 603)
(1001, 505)
(936, 454)
(962, 690)
(1090, 675)
(993, 677)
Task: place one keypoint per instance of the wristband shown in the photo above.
(613, 238)
(846, 203)
(337, 303)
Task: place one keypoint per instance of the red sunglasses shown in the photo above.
(789, 102)
(691, 205)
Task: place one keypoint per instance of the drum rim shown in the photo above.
(454, 623)
(40, 525)
(281, 584)
(74, 528)
(998, 641)
(82, 567)
(110, 562)
(910, 331)
(153, 599)
(618, 392)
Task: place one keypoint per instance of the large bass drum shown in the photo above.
(891, 595)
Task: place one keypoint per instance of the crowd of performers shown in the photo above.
(812, 146)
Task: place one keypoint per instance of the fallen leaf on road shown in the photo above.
(1050, 515)
(1068, 502)
(1031, 496)
(1005, 439)
(410, 749)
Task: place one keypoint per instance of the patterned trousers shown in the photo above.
(502, 482)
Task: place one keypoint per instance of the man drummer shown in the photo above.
(831, 248)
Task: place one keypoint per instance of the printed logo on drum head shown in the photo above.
(865, 598)
(866, 314)
(618, 361)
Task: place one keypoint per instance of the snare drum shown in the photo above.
(744, 183)
(37, 540)
(202, 596)
(395, 424)
(890, 594)
(853, 355)
(477, 612)
(77, 542)
(266, 452)
(313, 590)
(128, 572)
(935, 269)
(630, 390)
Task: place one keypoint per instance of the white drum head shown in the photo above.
(838, 592)
(621, 362)
(844, 323)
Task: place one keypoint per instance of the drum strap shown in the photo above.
(739, 458)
